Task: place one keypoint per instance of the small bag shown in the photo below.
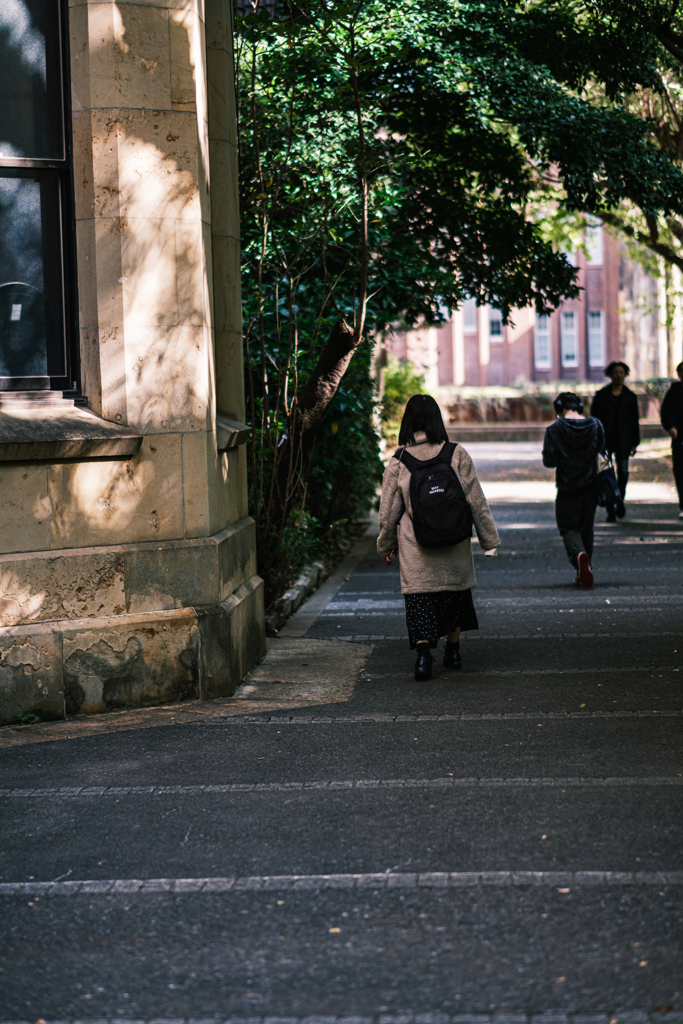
(606, 481)
(602, 461)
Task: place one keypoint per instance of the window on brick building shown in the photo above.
(569, 339)
(495, 325)
(469, 315)
(594, 244)
(596, 338)
(35, 198)
(543, 353)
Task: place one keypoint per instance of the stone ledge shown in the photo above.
(58, 429)
(230, 433)
(146, 576)
(213, 540)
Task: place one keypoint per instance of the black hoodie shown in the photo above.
(571, 446)
(672, 408)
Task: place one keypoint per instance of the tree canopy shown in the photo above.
(390, 155)
(649, 35)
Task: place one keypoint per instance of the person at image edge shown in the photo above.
(672, 421)
(436, 581)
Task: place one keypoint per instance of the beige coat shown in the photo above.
(425, 570)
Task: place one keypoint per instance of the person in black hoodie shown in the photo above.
(616, 406)
(570, 446)
(672, 421)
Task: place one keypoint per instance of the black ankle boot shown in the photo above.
(451, 655)
(423, 665)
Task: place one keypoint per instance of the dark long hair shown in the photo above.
(422, 413)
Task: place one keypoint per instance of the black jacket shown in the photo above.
(570, 446)
(619, 417)
(672, 408)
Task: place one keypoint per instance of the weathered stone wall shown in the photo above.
(128, 562)
(107, 663)
(91, 582)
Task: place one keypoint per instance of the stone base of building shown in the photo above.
(83, 666)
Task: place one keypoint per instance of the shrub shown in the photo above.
(401, 381)
(341, 482)
(346, 467)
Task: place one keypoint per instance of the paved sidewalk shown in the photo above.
(499, 846)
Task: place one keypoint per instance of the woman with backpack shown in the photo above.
(434, 481)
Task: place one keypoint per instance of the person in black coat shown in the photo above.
(672, 421)
(616, 406)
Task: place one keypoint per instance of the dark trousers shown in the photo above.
(677, 452)
(621, 467)
(575, 515)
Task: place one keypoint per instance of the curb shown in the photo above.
(309, 581)
(303, 619)
(295, 621)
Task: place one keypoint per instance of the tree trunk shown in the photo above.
(651, 240)
(306, 416)
(322, 385)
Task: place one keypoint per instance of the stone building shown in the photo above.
(621, 313)
(127, 557)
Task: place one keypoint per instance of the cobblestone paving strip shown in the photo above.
(529, 672)
(369, 637)
(496, 607)
(570, 636)
(484, 613)
(525, 636)
(535, 635)
(334, 785)
(407, 1017)
(501, 716)
(559, 880)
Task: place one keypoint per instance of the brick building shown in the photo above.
(618, 315)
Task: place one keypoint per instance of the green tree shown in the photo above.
(657, 27)
(389, 153)
(627, 54)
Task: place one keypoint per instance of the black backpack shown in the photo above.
(441, 513)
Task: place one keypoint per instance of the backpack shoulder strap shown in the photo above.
(408, 460)
(446, 453)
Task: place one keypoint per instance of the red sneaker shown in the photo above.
(584, 574)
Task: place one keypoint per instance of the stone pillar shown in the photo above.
(676, 299)
(484, 344)
(662, 326)
(224, 208)
(458, 342)
(132, 581)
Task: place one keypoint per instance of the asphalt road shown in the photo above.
(506, 841)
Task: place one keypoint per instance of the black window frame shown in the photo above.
(62, 171)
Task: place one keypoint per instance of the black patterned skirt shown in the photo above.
(431, 616)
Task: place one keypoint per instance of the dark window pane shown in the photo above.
(496, 324)
(31, 295)
(30, 79)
